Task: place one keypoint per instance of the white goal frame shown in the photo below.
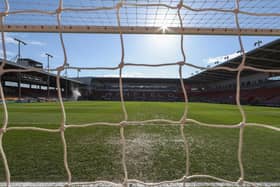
(139, 30)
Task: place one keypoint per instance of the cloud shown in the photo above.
(9, 39)
(36, 43)
(9, 54)
(42, 55)
(212, 60)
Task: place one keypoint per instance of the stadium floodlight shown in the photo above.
(48, 87)
(19, 43)
(48, 57)
(18, 59)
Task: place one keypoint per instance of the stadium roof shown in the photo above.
(13, 65)
(264, 57)
(130, 79)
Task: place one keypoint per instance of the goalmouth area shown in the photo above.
(153, 153)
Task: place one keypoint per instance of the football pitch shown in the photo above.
(154, 153)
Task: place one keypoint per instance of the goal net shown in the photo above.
(182, 17)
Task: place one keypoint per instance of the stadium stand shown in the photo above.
(135, 89)
(216, 86)
(33, 86)
(257, 88)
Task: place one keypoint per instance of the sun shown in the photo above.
(164, 28)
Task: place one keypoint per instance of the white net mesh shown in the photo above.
(176, 13)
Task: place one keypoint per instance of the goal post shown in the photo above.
(181, 17)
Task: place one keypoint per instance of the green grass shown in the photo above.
(153, 152)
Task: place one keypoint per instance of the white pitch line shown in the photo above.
(191, 184)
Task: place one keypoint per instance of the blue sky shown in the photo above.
(95, 50)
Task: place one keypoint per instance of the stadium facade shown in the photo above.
(257, 88)
(217, 86)
(33, 85)
(134, 89)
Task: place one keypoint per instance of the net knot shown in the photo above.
(3, 14)
(121, 65)
(241, 66)
(119, 5)
(241, 124)
(62, 128)
(58, 10)
(240, 181)
(123, 123)
(60, 68)
(181, 63)
(183, 120)
(3, 130)
(186, 178)
(236, 11)
(180, 4)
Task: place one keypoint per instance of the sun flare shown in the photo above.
(164, 28)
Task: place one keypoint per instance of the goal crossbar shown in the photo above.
(143, 17)
(138, 30)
